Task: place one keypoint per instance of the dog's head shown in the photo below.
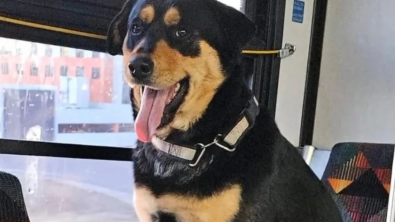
(176, 53)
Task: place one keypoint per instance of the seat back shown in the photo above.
(12, 204)
(358, 175)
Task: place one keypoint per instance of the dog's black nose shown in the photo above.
(141, 67)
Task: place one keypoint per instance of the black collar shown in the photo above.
(227, 141)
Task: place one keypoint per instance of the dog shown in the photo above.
(206, 150)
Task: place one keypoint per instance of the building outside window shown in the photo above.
(80, 71)
(95, 54)
(48, 51)
(4, 69)
(95, 73)
(48, 71)
(19, 68)
(63, 71)
(4, 51)
(18, 51)
(33, 70)
(125, 93)
(79, 53)
(63, 52)
(33, 49)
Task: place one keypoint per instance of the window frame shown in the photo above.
(313, 73)
(264, 88)
(75, 151)
(266, 69)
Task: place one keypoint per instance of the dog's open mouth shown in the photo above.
(158, 107)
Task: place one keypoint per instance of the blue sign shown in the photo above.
(298, 12)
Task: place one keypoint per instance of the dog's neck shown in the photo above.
(222, 113)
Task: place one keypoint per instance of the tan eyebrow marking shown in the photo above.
(147, 14)
(172, 16)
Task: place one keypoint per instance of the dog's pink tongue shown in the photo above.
(150, 114)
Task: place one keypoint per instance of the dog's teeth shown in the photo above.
(174, 94)
(177, 87)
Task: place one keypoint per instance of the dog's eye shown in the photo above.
(136, 29)
(181, 33)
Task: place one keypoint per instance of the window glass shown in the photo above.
(58, 94)
(237, 4)
(72, 190)
(58, 87)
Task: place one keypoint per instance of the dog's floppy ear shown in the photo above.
(118, 29)
(235, 24)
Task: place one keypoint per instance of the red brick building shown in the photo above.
(47, 69)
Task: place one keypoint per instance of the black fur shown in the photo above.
(277, 185)
(163, 217)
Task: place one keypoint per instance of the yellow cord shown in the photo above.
(103, 37)
(261, 52)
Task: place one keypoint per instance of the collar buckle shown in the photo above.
(218, 141)
(202, 149)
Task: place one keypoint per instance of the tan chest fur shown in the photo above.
(221, 207)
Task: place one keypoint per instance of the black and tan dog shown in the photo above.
(206, 151)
